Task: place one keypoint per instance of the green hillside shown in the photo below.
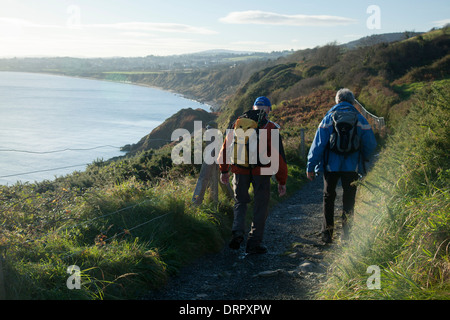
(129, 224)
(382, 76)
(402, 220)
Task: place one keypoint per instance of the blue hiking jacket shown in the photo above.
(319, 151)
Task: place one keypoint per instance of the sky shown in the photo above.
(137, 28)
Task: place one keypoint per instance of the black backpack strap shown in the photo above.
(326, 157)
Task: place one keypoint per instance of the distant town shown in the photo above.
(151, 63)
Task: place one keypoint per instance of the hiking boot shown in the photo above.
(256, 249)
(235, 243)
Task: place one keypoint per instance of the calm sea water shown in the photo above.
(40, 114)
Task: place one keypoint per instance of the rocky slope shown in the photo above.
(161, 135)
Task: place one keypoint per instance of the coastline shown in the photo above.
(212, 105)
(123, 153)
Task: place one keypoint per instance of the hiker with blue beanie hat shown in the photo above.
(259, 179)
(262, 102)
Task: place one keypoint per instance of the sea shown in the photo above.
(51, 125)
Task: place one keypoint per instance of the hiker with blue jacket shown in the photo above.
(343, 143)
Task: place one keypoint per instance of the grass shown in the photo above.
(402, 221)
(126, 238)
(407, 90)
(128, 224)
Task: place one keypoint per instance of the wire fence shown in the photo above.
(378, 124)
(10, 205)
(60, 151)
(43, 170)
(90, 222)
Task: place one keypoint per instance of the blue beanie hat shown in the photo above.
(263, 102)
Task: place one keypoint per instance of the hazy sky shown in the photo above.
(104, 28)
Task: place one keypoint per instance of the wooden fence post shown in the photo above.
(302, 143)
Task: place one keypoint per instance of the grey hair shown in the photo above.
(345, 95)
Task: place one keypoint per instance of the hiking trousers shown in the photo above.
(261, 191)
(330, 180)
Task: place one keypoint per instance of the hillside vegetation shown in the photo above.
(402, 220)
(380, 75)
(162, 134)
(129, 223)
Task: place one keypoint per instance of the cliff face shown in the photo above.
(161, 135)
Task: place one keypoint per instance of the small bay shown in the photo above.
(53, 125)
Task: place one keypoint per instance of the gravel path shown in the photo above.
(292, 268)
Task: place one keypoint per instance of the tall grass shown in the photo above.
(126, 238)
(402, 216)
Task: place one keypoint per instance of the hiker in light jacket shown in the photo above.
(336, 166)
(261, 187)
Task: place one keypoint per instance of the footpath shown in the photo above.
(292, 269)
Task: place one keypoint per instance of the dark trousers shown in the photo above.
(329, 195)
(261, 191)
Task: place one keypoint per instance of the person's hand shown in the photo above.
(225, 178)
(310, 175)
(281, 190)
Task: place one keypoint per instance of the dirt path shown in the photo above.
(291, 270)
